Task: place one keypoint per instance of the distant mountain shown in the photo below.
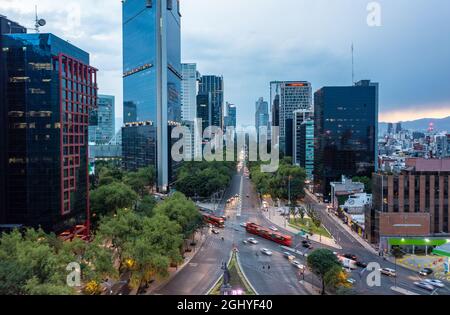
(421, 125)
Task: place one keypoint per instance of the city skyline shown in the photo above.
(287, 55)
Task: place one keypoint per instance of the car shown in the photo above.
(288, 256)
(361, 264)
(435, 283)
(424, 285)
(274, 229)
(306, 245)
(351, 257)
(266, 252)
(298, 265)
(426, 272)
(388, 272)
(214, 231)
(244, 225)
(253, 241)
(351, 281)
(245, 242)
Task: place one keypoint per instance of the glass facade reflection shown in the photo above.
(346, 133)
(151, 79)
(50, 90)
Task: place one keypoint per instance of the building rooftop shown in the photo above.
(428, 165)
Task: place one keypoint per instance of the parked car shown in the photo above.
(424, 285)
(298, 265)
(426, 272)
(266, 252)
(435, 283)
(253, 241)
(388, 272)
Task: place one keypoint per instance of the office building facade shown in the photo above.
(151, 83)
(346, 129)
(231, 117)
(102, 121)
(287, 97)
(214, 87)
(49, 91)
(261, 114)
(303, 141)
(189, 91)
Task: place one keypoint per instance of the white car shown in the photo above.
(424, 285)
(388, 272)
(253, 241)
(435, 283)
(274, 229)
(351, 281)
(266, 252)
(298, 265)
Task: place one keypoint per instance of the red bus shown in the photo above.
(270, 235)
(216, 221)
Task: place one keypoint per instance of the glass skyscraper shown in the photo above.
(151, 83)
(303, 141)
(102, 120)
(48, 93)
(214, 86)
(346, 133)
(189, 91)
(261, 114)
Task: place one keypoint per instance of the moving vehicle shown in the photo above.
(244, 225)
(435, 283)
(266, 252)
(426, 272)
(424, 285)
(268, 234)
(351, 256)
(351, 281)
(361, 264)
(288, 256)
(215, 221)
(252, 241)
(214, 231)
(273, 228)
(348, 263)
(298, 265)
(388, 272)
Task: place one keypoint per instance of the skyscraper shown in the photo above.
(152, 84)
(214, 86)
(261, 114)
(231, 117)
(49, 91)
(189, 91)
(346, 133)
(303, 142)
(204, 110)
(287, 97)
(102, 120)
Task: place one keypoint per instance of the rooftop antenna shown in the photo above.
(39, 22)
(353, 64)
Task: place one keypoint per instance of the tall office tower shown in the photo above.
(102, 120)
(287, 97)
(214, 86)
(231, 117)
(204, 110)
(346, 132)
(390, 130)
(261, 114)
(151, 84)
(189, 91)
(49, 91)
(303, 142)
(398, 128)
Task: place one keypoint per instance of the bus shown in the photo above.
(270, 235)
(216, 221)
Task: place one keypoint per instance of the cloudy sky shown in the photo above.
(252, 42)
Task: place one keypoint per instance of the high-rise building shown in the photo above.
(189, 91)
(204, 110)
(261, 114)
(48, 94)
(102, 120)
(151, 84)
(303, 142)
(346, 129)
(231, 117)
(287, 97)
(398, 128)
(214, 86)
(390, 130)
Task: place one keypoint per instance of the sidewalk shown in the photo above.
(155, 286)
(277, 219)
(358, 238)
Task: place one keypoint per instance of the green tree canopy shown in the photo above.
(110, 198)
(321, 261)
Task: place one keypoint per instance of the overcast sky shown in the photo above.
(252, 42)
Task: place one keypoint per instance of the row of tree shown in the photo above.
(203, 179)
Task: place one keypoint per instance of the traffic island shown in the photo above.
(236, 282)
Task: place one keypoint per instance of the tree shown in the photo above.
(336, 278)
(181, 210)
(321, 261)
(142, 179)
(146, 206)
(110, 198)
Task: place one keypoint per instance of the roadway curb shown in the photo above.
(245, 276)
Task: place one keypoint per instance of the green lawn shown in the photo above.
(307, 225)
